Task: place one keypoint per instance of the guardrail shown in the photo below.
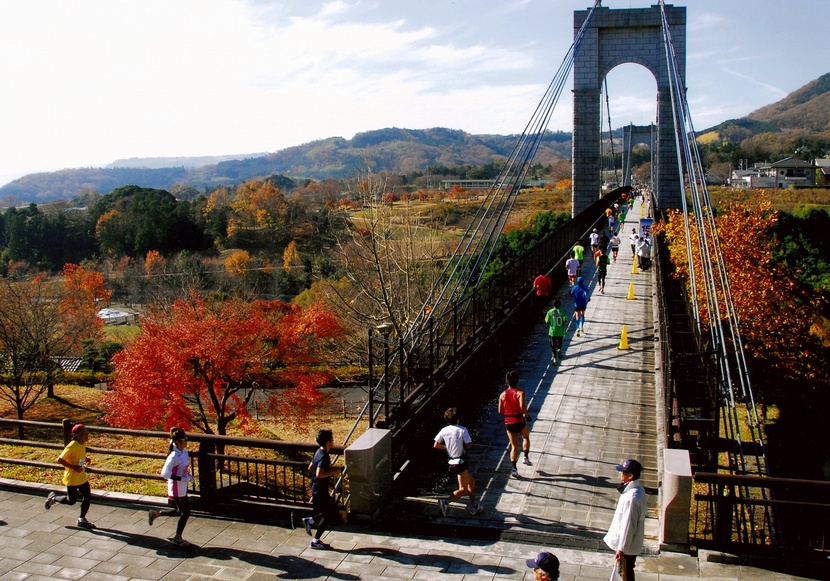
(247, 474)
(413, 372)
(757, 513)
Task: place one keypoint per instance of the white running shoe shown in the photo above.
(444, 506)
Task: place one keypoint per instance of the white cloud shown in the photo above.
(90, 81)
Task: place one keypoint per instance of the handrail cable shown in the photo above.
(468, 263)
(722, 315)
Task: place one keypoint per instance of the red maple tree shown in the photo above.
(203, 364)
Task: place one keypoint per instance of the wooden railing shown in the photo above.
(760, 513)
(260, 470)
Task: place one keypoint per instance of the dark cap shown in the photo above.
(579, 280)
(77, 428)
(631, 466)
(545, 561)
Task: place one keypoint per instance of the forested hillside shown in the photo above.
(392, 150)
(797, 125)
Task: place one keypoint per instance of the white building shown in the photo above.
(781, 174)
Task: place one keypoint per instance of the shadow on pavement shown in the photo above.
(446, 563)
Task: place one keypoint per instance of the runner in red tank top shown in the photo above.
(514, 409)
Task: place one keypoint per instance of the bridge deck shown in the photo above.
(594, 410)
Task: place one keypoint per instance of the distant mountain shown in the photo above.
(393, 149)
(162, 162)
(806, 109)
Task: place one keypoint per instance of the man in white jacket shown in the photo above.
(625, 537)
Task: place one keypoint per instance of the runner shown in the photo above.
(74, 461)
(176, 470)
(579, 253)
(456, 441)
(601, 260)
(555, 318)
(580, 294)
(513, 407)
(615, 246)
(325, 507)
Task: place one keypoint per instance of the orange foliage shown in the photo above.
(83, 291)
(775, 314)
(238, 263)
(154, 262)
(201, 365)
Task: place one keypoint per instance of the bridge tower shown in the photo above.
(635, 135)
(615, 37)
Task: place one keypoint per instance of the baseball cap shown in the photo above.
(579, 280)
(545, 561)
(631, 466)
(77, 428)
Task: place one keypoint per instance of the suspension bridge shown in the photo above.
(605, 403)
(659, 374)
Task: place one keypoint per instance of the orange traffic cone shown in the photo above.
(630, 296)
(623, 339)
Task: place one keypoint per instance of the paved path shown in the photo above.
(36, 544)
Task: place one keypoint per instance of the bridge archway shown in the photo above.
(615, 37)
(636, 135)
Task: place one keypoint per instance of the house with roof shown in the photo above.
(823, 168)
(784, 173)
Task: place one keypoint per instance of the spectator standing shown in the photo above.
(327, 514)
(555, 318)
(633, 238)
(513, 406)
(74, 460)
(579, 292)
(625, 536)
(456, 440)
(644, 252)
(176, 470)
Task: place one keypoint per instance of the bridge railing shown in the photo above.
(225, 468)
(689, 399)
(734, 513)
(410, 376)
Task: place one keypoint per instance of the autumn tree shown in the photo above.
(391, 260)
(202, 364)
(776, 313)
(43, 318)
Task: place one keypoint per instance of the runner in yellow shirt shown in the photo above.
(74, 461)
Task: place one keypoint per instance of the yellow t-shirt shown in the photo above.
(73, 453)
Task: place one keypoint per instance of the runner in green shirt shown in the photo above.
(579, 254)
(556, 318)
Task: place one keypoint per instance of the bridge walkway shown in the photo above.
(594, 410)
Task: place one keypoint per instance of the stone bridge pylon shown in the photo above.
(615, 37)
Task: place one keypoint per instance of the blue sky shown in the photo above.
(87, 82)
